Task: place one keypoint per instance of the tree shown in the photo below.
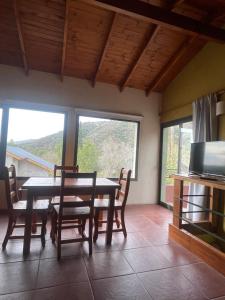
(87, 157)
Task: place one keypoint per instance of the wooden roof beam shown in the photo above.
(21, 39)
(104, 50)
(161, 16)
(65, 38)
(144, 47)
(178, 55)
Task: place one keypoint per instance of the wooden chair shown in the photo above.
(120, 204)
(79, 211)
(17, 208)
(58, 169)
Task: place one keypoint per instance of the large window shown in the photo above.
(34, 141)
(0, 124)
(106, 145)
(176, 146)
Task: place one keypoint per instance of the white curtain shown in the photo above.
(204, 130)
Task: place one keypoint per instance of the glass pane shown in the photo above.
(185, 148)
(0, 123)
(34, 142)
(106, 146)
(170, 150)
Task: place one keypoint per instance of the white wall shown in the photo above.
(46, 88)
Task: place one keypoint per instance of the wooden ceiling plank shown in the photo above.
(104, 50)
(21, 39)
(161, 16)
(65, 38)
(178, 55)
(146, 45)
(139, 56)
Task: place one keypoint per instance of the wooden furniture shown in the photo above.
(120, 204)
(58, 169)
(50, 187)
(17, 208)
(77, 211)
(186, 232)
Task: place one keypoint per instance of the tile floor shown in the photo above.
(146, 265)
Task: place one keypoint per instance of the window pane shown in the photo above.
(106, 146)
(34, 142)
(185, 149)
(0, 124)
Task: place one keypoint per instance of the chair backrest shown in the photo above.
(67, 181)
(124, 182)
(65, 168)
(9, 175)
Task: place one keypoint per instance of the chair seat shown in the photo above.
(37, 205)
(56, 199)
(74, 211)
(104, 203)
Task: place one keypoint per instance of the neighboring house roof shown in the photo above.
(20, 154)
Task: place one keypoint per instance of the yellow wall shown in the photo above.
(204, 74)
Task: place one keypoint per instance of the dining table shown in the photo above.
(50, 186)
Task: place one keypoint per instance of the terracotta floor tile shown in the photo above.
(107, 264)
(169, 284)
(156, 237)
(178, 255)
(68, 270)
(208, 280)
(146, 259)
(18, 296)
(18, 276)
(14, 251)
(78, 291)
(122, 287)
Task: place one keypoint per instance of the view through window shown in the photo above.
(0, 123)
(176, 147)
(35, 141)
(106, 146)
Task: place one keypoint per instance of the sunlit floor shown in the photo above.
(146, 265)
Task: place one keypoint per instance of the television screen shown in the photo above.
(214, 158)
(196, 158)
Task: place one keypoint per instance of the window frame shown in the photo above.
(163, 126)
(5, 123)
(100, 115)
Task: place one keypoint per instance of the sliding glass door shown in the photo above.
(176, 142)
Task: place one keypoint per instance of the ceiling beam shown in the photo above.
(189, 42)
(171, 5)
(139, 56)
(65, 38)
(21, 39)
(161, 16)
(105, 47)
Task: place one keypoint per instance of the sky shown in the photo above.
(30, 124)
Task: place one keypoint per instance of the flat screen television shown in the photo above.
(208, 159)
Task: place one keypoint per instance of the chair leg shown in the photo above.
(9, 231)
(123, 223)
(34, 221)
(43, 229)
(53, 226)
(83, 222)
(59, 242)
(90, 235)
(117, 218)
(96, 218)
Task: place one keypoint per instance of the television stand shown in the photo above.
(189, 233)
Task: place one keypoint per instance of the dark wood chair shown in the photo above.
(17, 208)
(120, 204)
(57, 173)
(74, 211)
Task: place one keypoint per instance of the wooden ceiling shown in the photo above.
(103, 41)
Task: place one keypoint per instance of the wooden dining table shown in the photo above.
(50, 187)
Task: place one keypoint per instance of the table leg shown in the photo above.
(28, 224)
(110, 218)
(177, 204)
